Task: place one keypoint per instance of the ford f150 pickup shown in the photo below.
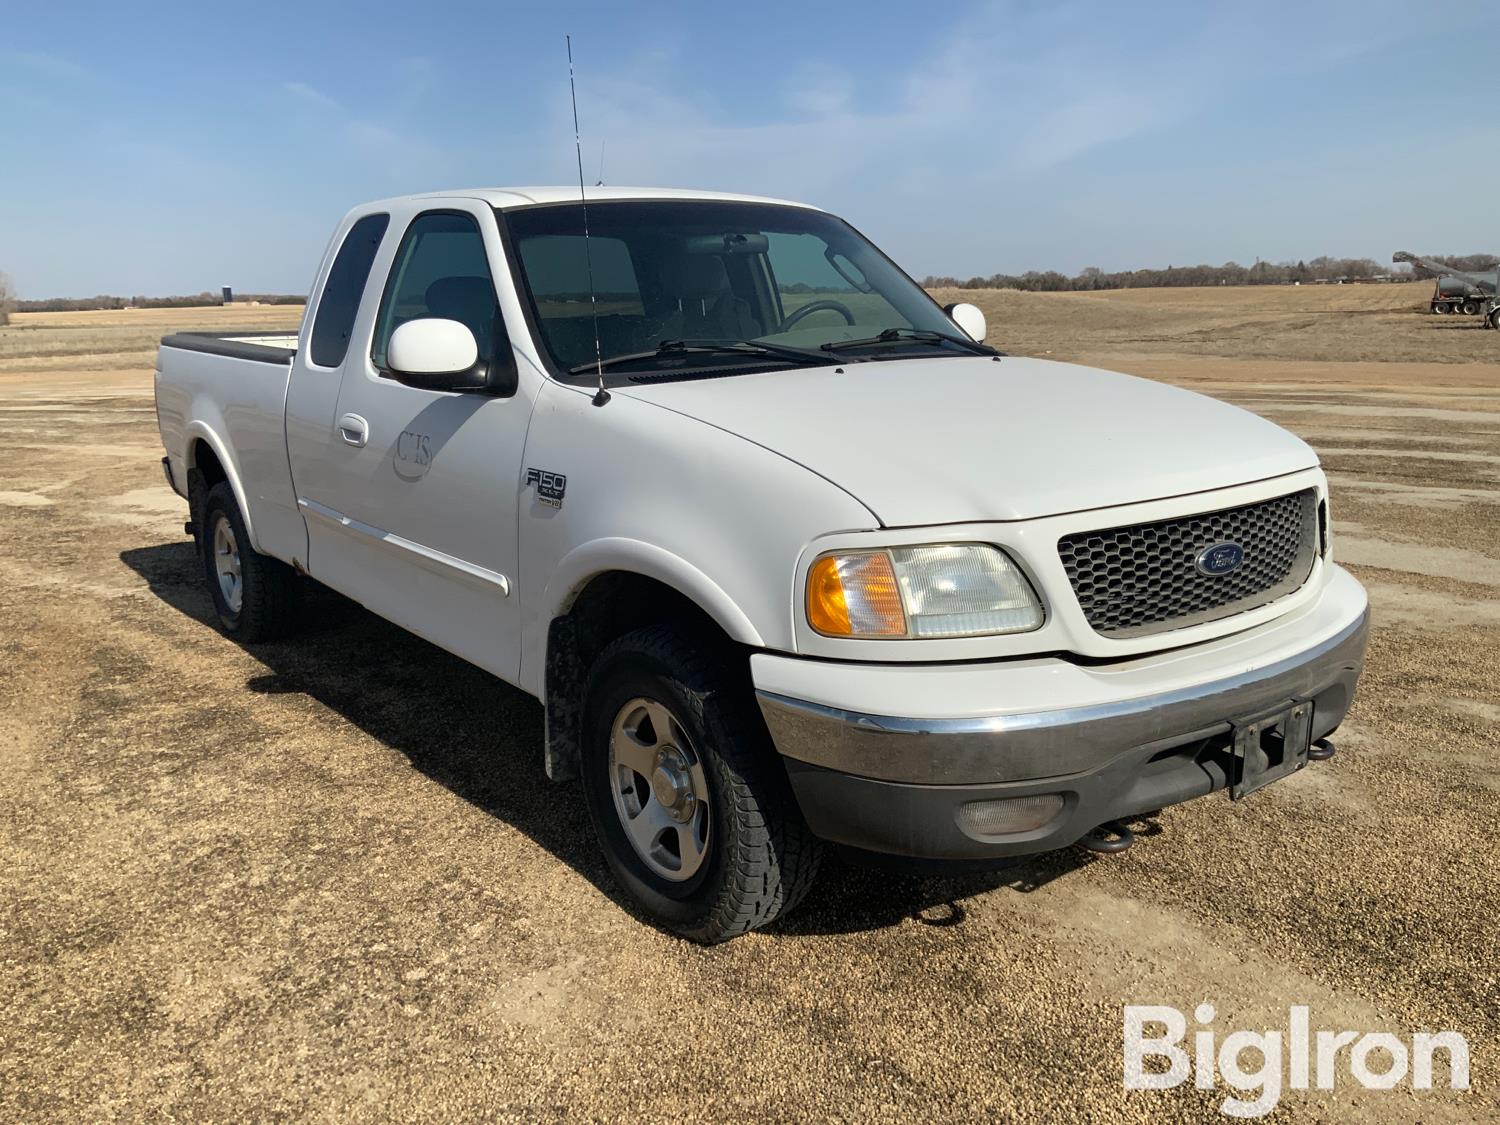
(788, 554)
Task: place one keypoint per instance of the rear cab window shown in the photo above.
(343, 290)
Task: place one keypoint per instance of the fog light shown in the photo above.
(1008, 816)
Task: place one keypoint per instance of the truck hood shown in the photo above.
(964, 440)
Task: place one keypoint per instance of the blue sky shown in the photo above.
(166, 148)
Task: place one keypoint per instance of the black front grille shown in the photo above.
(1145, 578)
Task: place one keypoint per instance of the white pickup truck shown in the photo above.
(788, 554)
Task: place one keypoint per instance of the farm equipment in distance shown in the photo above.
(1459, 291)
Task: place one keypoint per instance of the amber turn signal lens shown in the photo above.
(855, 595)
(827, 609)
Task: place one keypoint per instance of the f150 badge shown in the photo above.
(550, 487)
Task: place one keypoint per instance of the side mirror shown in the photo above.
(436, 355)
(970, 319)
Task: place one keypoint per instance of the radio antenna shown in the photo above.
(601, 396)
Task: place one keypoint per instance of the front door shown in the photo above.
(422, 486)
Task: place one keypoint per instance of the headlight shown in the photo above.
(944, 590)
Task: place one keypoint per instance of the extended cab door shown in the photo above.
(411, 494)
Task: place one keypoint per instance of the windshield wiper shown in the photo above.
(913, 335)
(668, 348)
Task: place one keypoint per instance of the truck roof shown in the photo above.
(506, 197)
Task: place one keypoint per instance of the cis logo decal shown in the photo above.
(413, 455)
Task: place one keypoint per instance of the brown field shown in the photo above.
(327, 877)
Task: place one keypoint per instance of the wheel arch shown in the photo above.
(595, 604)
(585, 564)
(208, 457)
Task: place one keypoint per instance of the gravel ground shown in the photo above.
(327, 877)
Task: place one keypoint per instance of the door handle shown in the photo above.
(354, 430)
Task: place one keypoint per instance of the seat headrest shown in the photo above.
(695, 276)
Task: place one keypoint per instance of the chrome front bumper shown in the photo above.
(1016, 747)
(895, 784)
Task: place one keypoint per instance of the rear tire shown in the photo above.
(712, 844)
(1471, 308)
(254, 595)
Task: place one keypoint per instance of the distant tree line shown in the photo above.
(198, 300)
(1322, 269)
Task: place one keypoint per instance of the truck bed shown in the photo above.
(221, 396)
(264, 347)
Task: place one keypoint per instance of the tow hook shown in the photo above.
(1321, 750)
(1109, 838)
(1114, 836)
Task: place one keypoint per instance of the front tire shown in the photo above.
(254, 595)
(690, 806)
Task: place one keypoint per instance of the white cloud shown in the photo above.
(312, 97)
(44, 63)
(959, 154)
(385, 145)
(986, 104)
(1016, 92)
(1080, 124)
(372, 134)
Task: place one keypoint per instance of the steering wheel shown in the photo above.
(818, 306)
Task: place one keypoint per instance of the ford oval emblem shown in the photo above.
(1221, 558)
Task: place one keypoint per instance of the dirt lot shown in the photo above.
(328, 877)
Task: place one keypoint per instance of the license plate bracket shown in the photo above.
(1269, 746)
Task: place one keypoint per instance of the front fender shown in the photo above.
(653, 492)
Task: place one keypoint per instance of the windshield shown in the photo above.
(669, 276)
